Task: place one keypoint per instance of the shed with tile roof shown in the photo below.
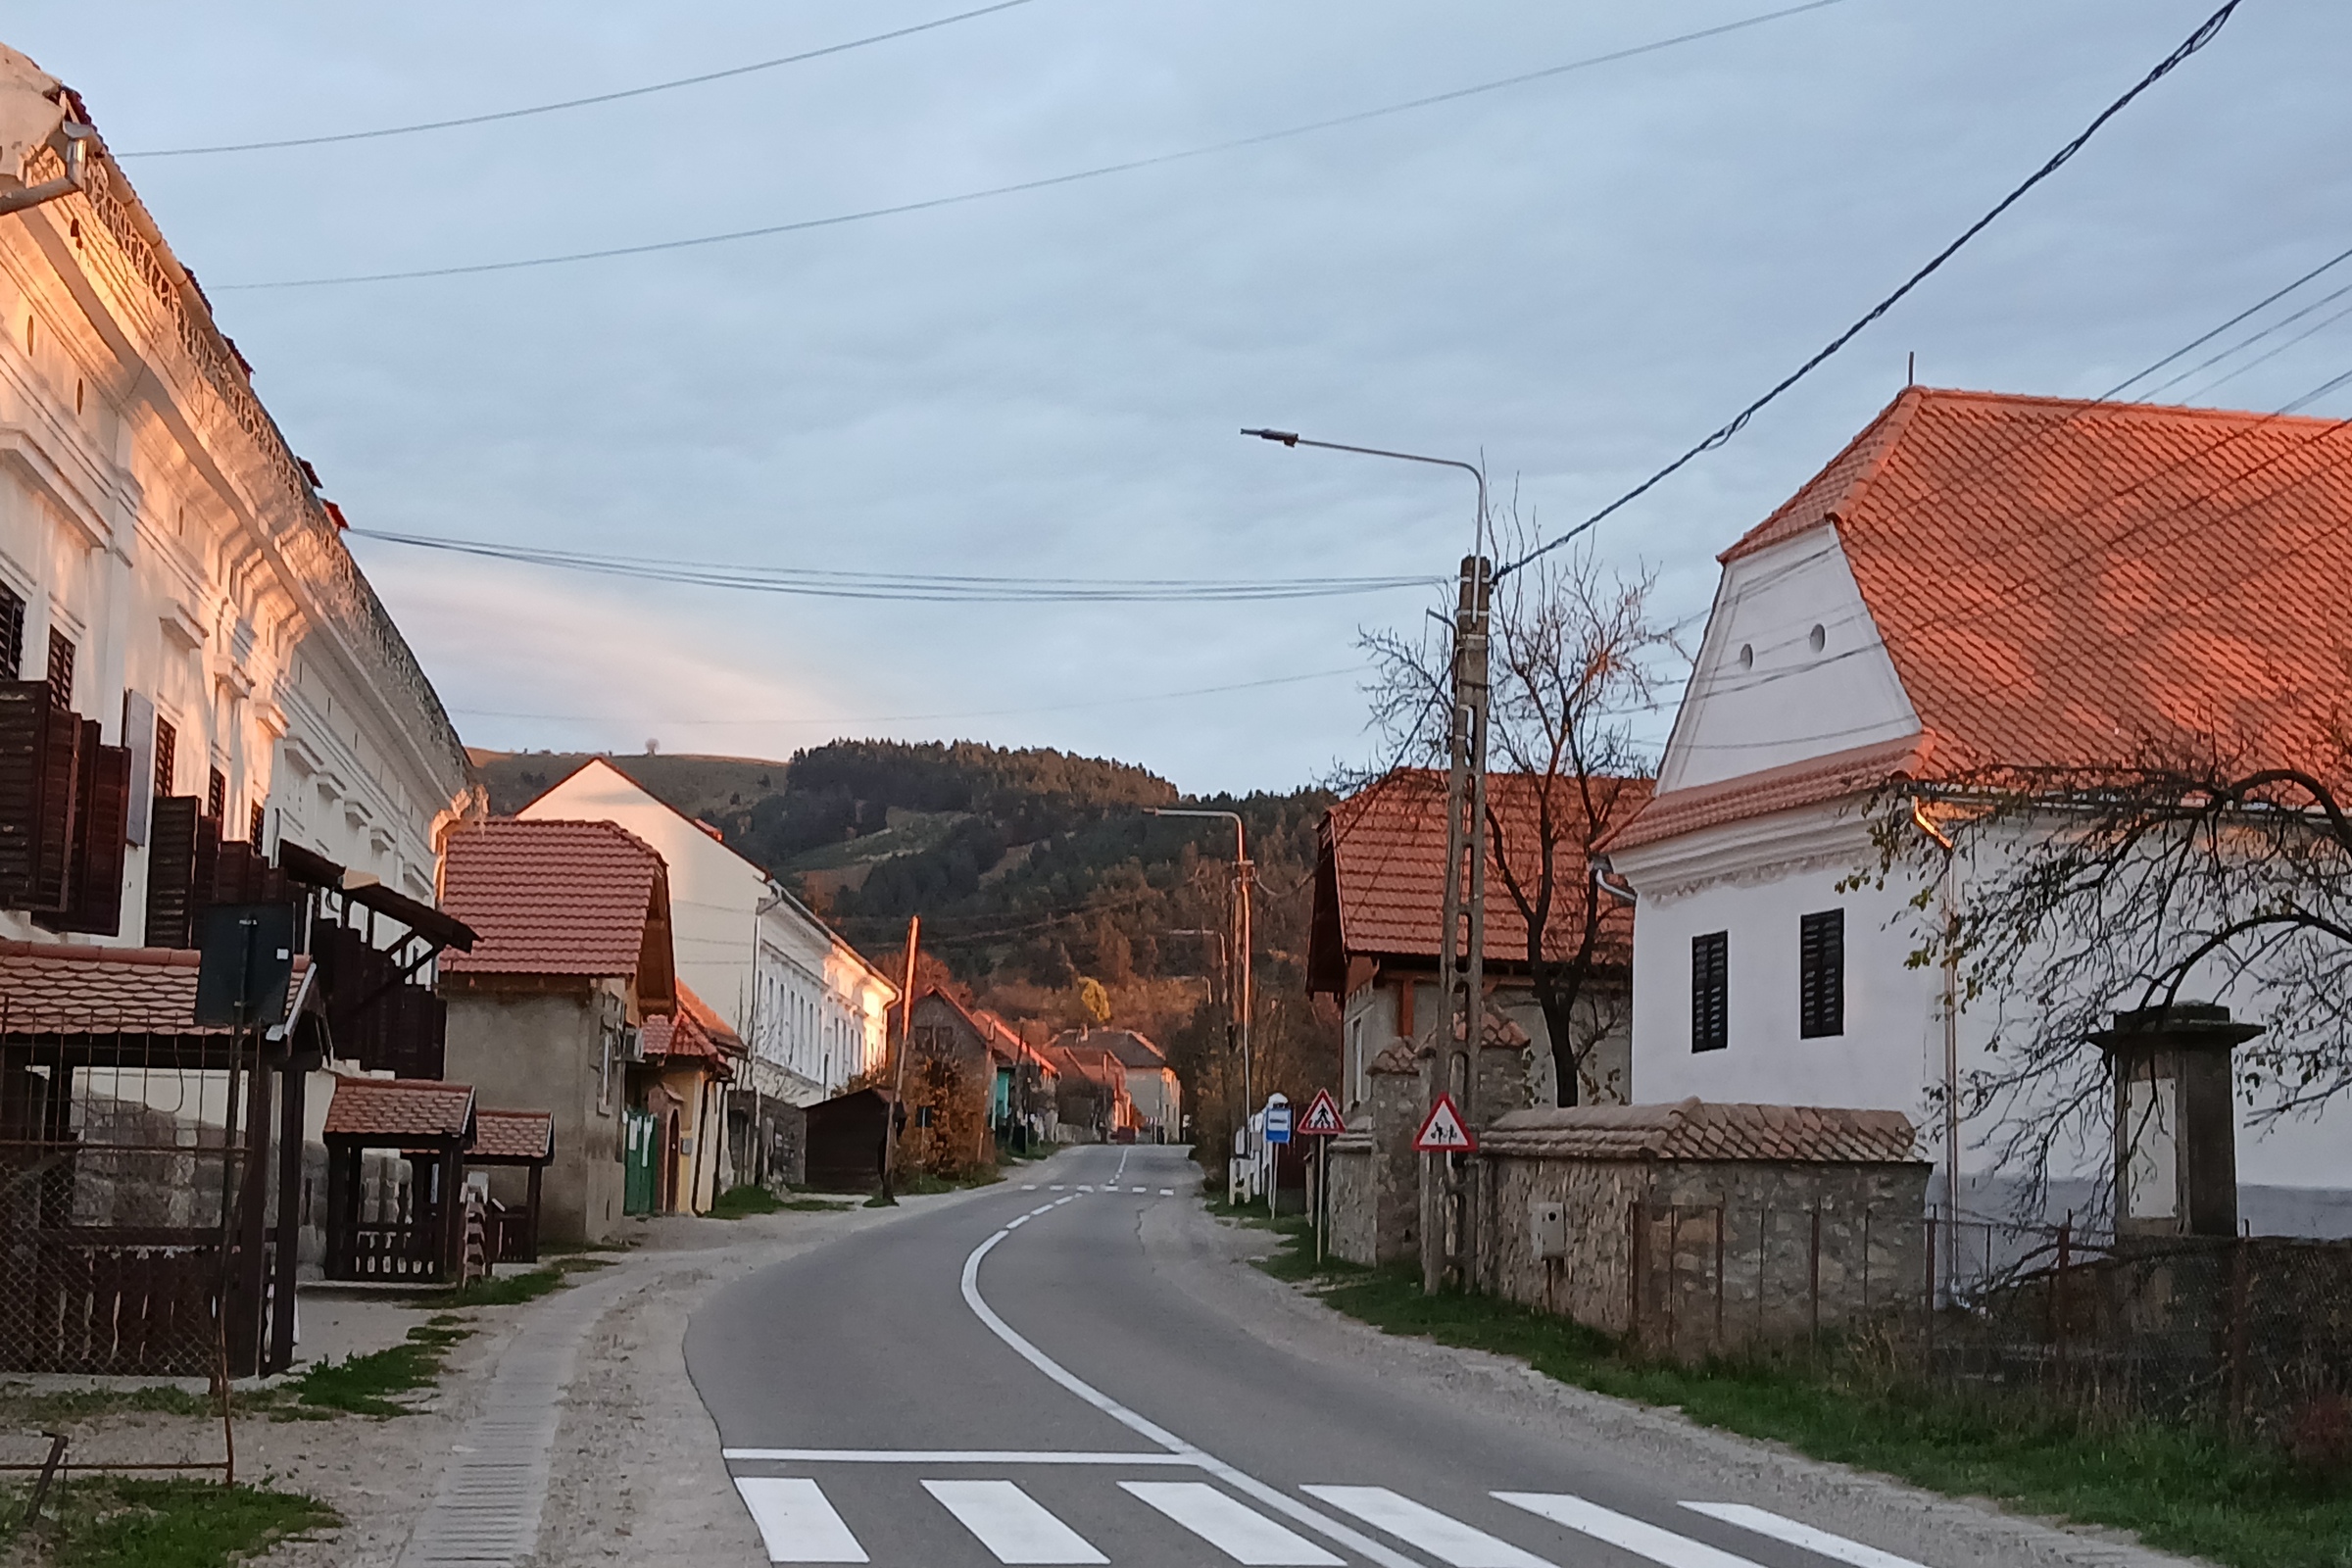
(391, 1229)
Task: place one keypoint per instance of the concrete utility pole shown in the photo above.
(1445, 1219)
(897, 1086)
(1243, 874)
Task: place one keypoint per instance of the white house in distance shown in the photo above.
(813, 1012)
(1975, 580)
(168, 566)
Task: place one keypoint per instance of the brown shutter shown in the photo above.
(102, 831)
(24, 731)
(60, 779)
(172, 872)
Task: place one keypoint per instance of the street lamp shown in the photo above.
(1461, 954)
(1241, 874)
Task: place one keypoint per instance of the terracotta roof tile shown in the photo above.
(522, 1135)
(1775, 789)
(720, 1033)
(50, 986)
(1385, 856)
(1697, 1129)
(1132, 1049)
(549, 897)
(396, 1108)
(681, 1038)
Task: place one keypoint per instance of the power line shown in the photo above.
(925, 588)
(2203, 35)
(1045, 182)
(576, 103)
(908, 718)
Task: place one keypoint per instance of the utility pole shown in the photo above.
(1462, 950)
(1243, 874)
(897, 1086)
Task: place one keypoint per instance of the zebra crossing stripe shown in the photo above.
(1623, 1531)
(1240, 1532)
(796, 1522)
(1448, 1540)
(1011, 1524)
(1818, 1542)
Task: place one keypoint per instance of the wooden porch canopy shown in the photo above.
(428, 1122)
(526, 1138)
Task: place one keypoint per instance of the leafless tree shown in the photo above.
(1574, 660)
(2192, 872)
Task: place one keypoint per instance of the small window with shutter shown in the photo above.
(12, 633)
(167, 745)
(260, 820)
(1711, 991)
(1821, 974)
(215, 796)
(61, 669)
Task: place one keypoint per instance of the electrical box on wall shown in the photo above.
(1548, 1228)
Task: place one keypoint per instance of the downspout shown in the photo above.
(77, 176)
(1951, 1050)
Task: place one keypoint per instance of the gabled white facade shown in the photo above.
(152, 518)
(813, 1012)
(1792, 671)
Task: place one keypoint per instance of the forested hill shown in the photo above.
(1031, 869)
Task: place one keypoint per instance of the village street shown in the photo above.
(1078, 1365)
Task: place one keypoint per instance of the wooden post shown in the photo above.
(532, 1245)
(1813, 1274)
(1927, 1303)
(292, 1084)
(245, 1349)
(2066, 1237)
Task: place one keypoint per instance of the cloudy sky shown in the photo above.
(1574, 277)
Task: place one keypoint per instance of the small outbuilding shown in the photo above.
(849, 1141)
(398, 1225)
(522, 1142)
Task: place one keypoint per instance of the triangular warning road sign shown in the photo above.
(1443, 1133)
(1322, 1118)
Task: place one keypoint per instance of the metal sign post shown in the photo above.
(1322, 1122)
(1278, 1135)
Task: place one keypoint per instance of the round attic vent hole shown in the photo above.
(1747, 656)
(1819, 639)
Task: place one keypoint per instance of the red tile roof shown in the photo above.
(720, 1033)
(1382, 870)
(2057, 581)
(679, 1039)
(1135, 1052)
(397, 1108)
(512, 1134)
(50, 986)
(1697, 1129)
(1775, 789)
(556, 897)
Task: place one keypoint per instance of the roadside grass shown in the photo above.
(119, 1522)
(554, 1272)
(2180, 1488)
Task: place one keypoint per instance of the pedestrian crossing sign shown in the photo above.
(1442, 1132)
(1322, 1118)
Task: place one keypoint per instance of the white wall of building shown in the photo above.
(151, 513)
(812, 1012)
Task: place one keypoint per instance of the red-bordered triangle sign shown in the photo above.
(1322, 1118)
(1444, 1132)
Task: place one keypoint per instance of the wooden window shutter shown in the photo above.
(100, 823)
(1711, 991)
(61, 780)
(172, 872)
(12, 634)
(1821, 974)
(24, 738)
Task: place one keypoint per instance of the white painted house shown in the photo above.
(813, 1012)
(167, 563)
(1975, 580)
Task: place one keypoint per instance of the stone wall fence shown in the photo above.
(1694, 1229)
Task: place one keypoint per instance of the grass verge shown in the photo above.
(119, 1522)
(2180, 1488)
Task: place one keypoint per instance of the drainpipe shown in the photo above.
(1951, 1050)
(75, 177)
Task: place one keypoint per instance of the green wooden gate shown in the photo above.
(639, 1132)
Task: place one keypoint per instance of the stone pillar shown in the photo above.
(2175, 1128)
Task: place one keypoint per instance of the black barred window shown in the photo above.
(61, 669)
(1711, 991)
(215, 796)
(166, 746)
(1821, 974)
(12, 634)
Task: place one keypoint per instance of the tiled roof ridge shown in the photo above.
(1808, 781)
(77, 953)
(539, 825)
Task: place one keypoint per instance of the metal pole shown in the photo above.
(1243, 874)
(897, 1090)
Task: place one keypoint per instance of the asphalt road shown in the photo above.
(1013, 1380)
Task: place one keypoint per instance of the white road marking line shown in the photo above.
(1028, 1187)
(1040, 1209)
(1058, 1201)
(1011, 1524)
(1123, 1170)
(1018, 1224)
(1056, 1188)
(1623, 1531)
(1442, 1536)
(1139, 1188)
(1240, 1532)
(1167, 1192)
(1247, 1485)
(1819, 1541)
(796, 1522)
(1084, 1187)
(1147, 1457)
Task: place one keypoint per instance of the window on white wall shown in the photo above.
(1821, 974)
(1711, 991)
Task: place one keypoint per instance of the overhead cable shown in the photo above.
(2203, 35)
(1044, 182)
(576, 103)
(936, 588)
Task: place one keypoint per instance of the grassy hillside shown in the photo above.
(1031, 869)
